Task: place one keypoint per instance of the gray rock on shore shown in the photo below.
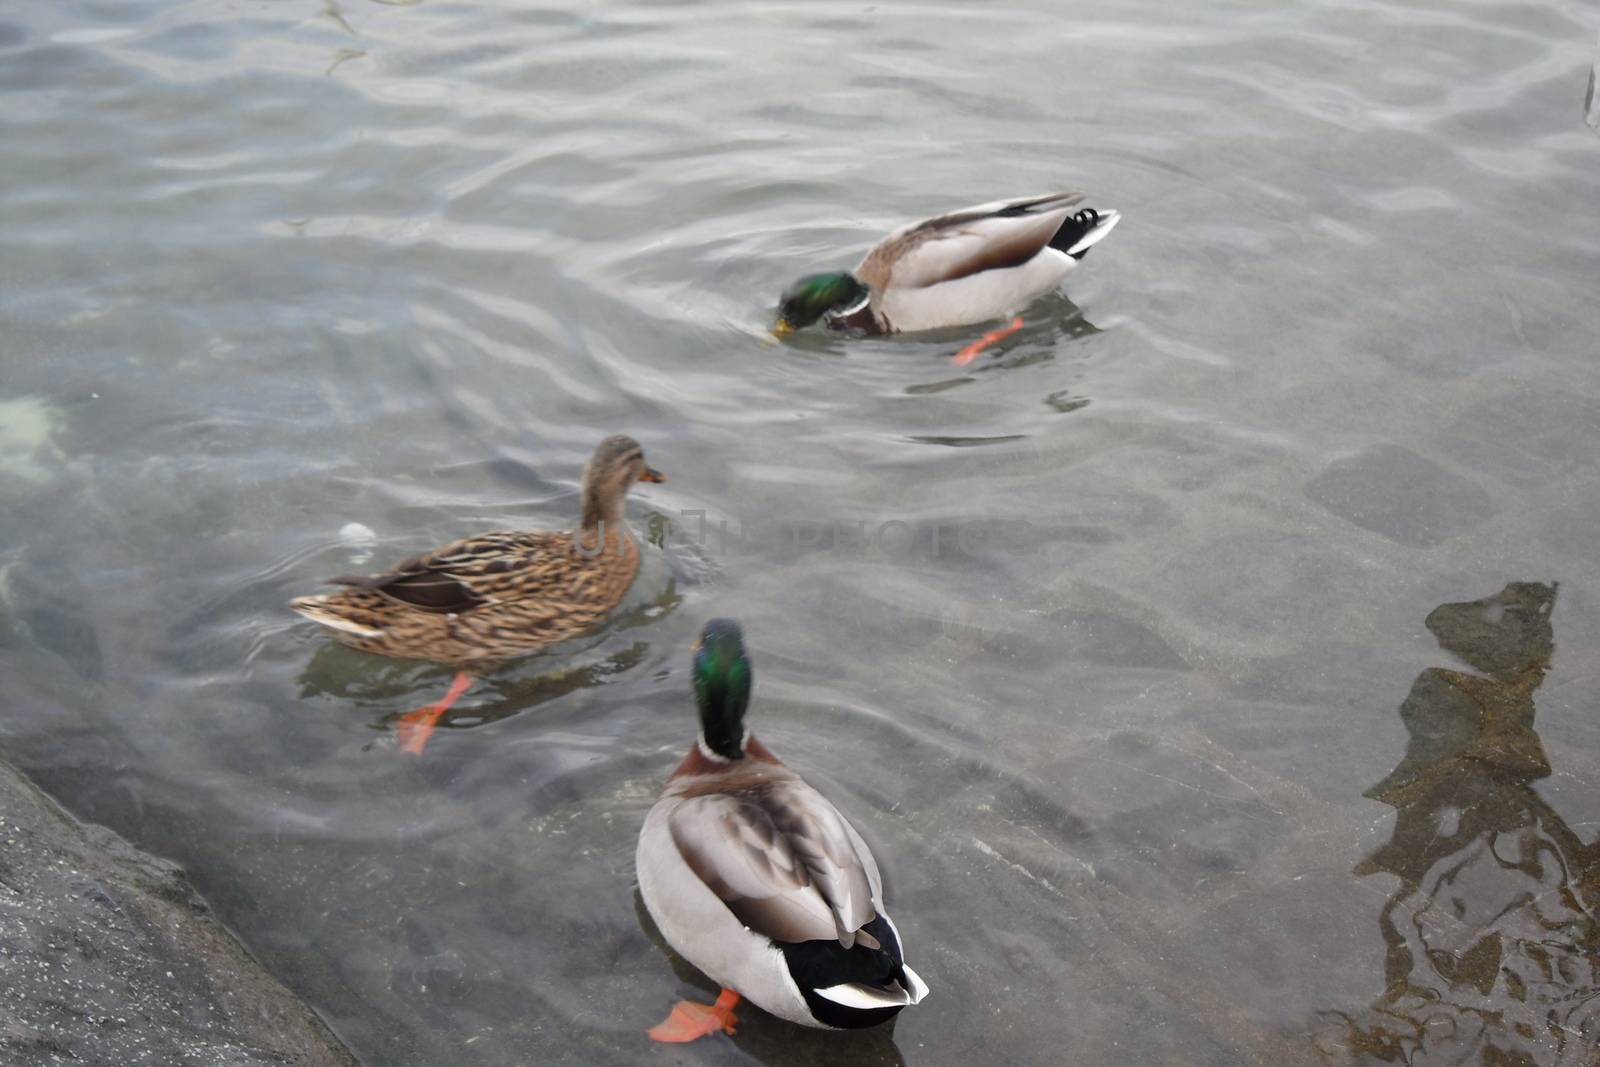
(109, 957)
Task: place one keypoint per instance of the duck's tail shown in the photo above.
(1083, 230)
(863, 985)
(905, 988)
(323, 609)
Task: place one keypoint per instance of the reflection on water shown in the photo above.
(1493, 945)
(1063, 401)
(1591, 105)
(394, 684)
(329, 673)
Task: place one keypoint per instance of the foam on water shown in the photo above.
(28, 426)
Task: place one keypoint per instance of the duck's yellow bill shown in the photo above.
(782, 328)
(652, 475)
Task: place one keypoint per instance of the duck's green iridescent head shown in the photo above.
(813, 296)
(722, 687)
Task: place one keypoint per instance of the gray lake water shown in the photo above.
(1214, 667)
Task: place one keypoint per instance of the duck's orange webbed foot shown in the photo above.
(417, 726)
(690, 1020)
(970, 353)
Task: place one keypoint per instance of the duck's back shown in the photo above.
(488, 597)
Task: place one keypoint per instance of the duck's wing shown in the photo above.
(1006, 233)
(465, 574)
(782, 859)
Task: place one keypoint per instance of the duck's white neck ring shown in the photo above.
(714, 756)
(853, 308)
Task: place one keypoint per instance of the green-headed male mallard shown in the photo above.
(497, 595)
(753, 877)
(970, 266)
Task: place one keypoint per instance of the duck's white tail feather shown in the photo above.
(313, 608)
(865, 998)
(919, 988)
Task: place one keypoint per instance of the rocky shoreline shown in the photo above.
(108, 956)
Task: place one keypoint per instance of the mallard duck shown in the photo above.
(970, 266)
(497, 595)
(753, 877)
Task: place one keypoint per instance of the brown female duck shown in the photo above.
(497, 595)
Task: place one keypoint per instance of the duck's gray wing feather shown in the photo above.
(782, 859)
(1005, 233)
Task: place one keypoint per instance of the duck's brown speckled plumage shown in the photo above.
(501, 594)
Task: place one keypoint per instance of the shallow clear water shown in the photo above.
(1161, 761)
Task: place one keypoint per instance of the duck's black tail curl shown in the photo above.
(1083, 230)
(873, 965)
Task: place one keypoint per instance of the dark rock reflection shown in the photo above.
(1493, 949)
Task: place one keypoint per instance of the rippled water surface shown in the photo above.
(1254, 717)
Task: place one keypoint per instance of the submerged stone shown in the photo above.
(108, 955)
